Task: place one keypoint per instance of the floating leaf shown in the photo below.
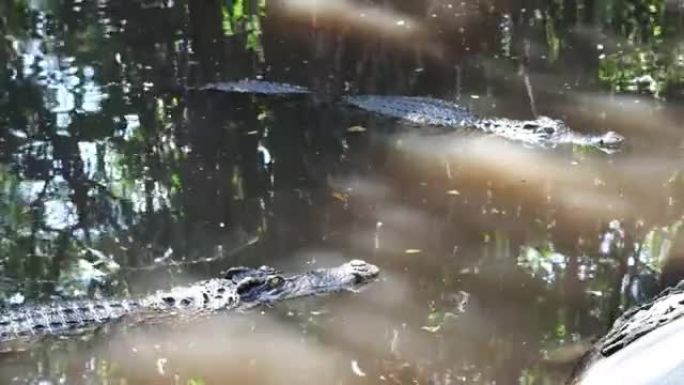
(431, 329)
(356, 129)
(356, 369)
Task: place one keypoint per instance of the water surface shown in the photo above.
(498, 260)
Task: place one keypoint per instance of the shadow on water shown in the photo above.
(119, 177)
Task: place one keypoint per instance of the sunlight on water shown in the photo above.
(400, 28)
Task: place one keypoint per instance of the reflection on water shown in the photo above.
(118, 177)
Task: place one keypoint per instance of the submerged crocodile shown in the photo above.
(237, 288)
(543, 131)
(256, 87)
(642, 347)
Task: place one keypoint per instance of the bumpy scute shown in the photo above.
(543, 131)
(256, 87)
(635, 323)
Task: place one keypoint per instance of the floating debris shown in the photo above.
(16, 299)
(356, 369)
(161, 366)
(356, 129)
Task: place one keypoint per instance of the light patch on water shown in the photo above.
(657, 245)
(245, 349)
(59, 76)
(613, 239)
(79, 276)
(59, 215)
(110, 171)
(132, 126)
(362, 188)
(154, 200)
(18, 133)
(376, 237)
(92, 93)
(632, 116)
(482, 159)
(61, 100)
(16, 299)
(62, 122)
(31, 189)
(544, 264)
(88, 151)
(30, 52)
(404, 30)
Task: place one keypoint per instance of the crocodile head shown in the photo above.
(265, 285)
(545, 127)
(543, 131)
(611, 141)
(554, 131)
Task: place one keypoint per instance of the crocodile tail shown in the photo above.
(59, 319)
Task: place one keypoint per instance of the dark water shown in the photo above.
(498, 265)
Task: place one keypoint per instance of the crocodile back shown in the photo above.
(416, 109)
(60, 318)
(257, 87)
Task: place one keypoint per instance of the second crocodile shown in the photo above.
(542, 131)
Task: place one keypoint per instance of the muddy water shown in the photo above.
(497, 265)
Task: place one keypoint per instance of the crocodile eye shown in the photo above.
(548, 130)
(275, 281)
(358, 278)
(248, 284)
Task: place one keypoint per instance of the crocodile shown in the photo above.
(650, 332)
(542, 131)
(237, 288)
(255, 86)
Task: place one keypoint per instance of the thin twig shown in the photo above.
(526, 77)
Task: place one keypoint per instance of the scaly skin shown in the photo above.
(548, 132)
(415, 109)
(256, 87)
(542, 131)
(634, 324)
(239, 287)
